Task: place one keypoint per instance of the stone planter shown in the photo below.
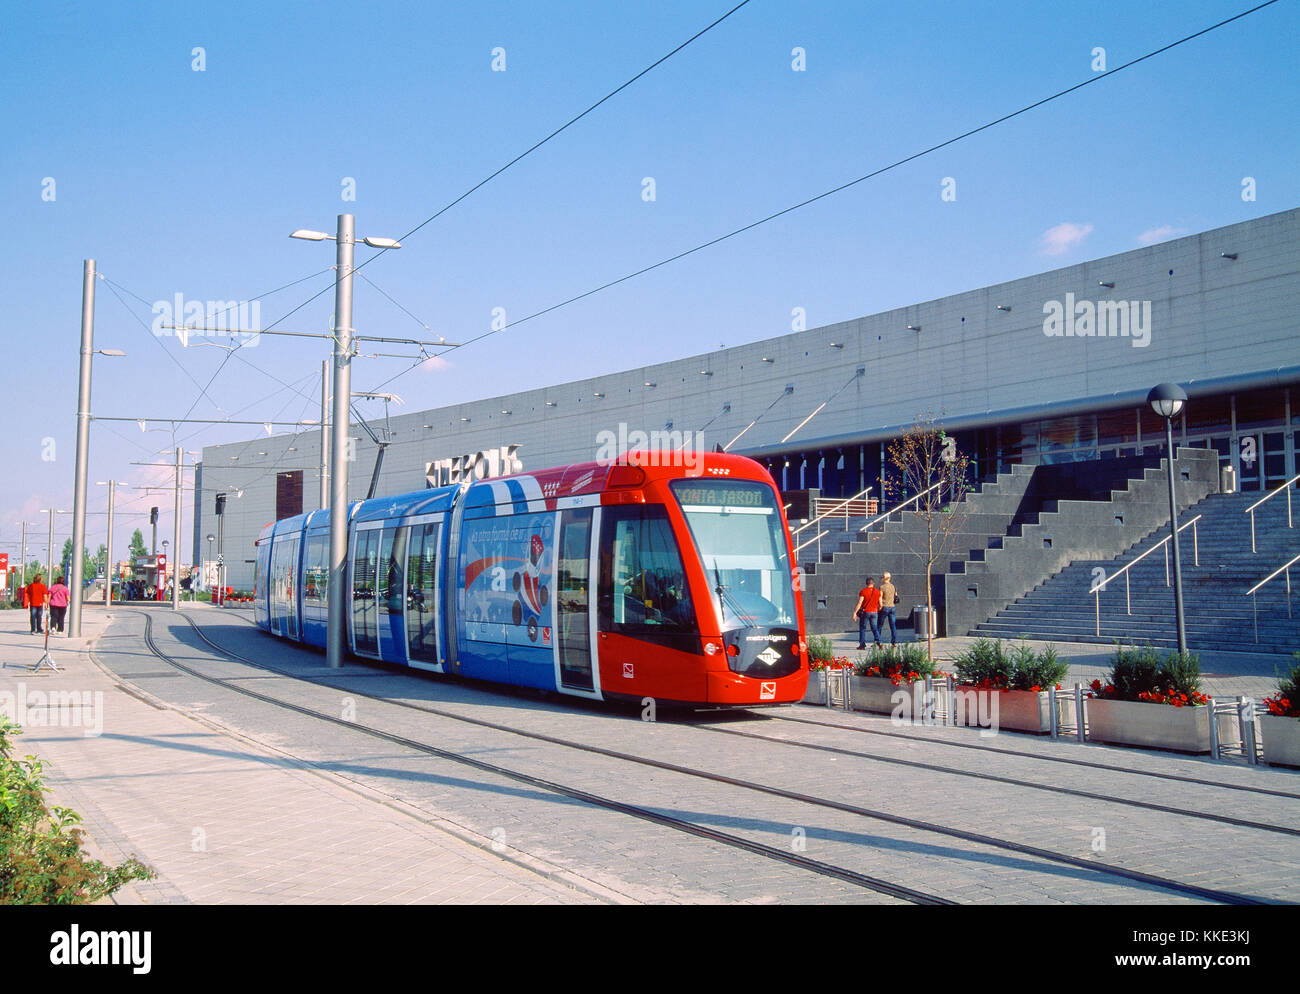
(1017, 710)
(876, 694)
(1281, 740)
(1152, 726)
(816, 692)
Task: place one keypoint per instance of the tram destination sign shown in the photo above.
(473, 466)
(702, 495)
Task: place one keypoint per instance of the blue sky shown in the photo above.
(184, 181)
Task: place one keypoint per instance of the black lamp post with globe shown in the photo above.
(1168, 400)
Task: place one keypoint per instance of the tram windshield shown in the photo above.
(737, 529)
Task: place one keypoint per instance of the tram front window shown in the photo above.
(737, 529)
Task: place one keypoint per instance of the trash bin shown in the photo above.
(923, 622)
(1228, 480)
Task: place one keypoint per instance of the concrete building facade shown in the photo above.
(1049, 368)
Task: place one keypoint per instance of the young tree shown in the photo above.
(137, 547)
(930, 467)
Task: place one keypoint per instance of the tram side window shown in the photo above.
(316, 574)
(642, 590)
(364, 570)
(421, 605)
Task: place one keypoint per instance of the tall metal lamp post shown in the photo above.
(1168, 400)
(345, 239)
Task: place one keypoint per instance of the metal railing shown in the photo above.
(842, 505)
(1269, 496)
(1128, 589)
(1284, 568)
(894, 510)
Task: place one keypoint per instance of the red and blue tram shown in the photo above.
(598, 581)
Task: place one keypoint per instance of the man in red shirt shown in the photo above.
(867, 607)
(36, 592)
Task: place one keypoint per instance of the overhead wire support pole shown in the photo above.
(335, 622)
(83, 445)
(324, 433)
(176, 538)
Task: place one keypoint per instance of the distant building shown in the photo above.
(1048, 368)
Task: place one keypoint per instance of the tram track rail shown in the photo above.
(865, 881)
(931, 740)
(1046, 855)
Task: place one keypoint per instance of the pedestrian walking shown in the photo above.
(888, 608)
(58, 604)
(36, 594)
(865, 612)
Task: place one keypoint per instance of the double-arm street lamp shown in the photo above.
(345, 239)
(1168, 400)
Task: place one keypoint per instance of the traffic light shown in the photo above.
(153, 515)
(221, 504)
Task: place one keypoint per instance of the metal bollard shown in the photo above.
(1051, 704)
(1078, 711)
(1214, 729)
(1246, 715)
(950, 701)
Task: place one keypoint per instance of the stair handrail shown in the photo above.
(894, 510)
(1269, 496)
(842, 504)
(1286, 566)
(1128, 591)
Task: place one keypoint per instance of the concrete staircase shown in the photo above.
(1012, 533)
(1216, 611)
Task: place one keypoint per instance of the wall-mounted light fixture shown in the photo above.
(598, 394)
(505, 411)
(465, 420)
(650, 384)
(768, 360)
(837, 345)
(913, 327)
(550, 403)
(706, 372)
(1228, 255)
(1108, 284)
(1004, 307)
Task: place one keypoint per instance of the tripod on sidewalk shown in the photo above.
(46, 661)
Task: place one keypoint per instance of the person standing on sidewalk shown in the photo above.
(888, 608)
(36, 594)
(58, 604)
(867, 607)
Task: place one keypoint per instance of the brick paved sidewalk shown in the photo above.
(225, 820)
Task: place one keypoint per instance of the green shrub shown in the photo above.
(906, 663)
(1036, 670)
(820, 648)
(987, 664)
(1144, 675)
(1134, 672)
(41, 861)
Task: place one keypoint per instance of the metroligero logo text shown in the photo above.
(1072, 318)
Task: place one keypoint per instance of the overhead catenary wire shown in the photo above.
(1098, 77)
(356, 270)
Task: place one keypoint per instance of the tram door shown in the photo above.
(422, 595)
(572, 600)
(391, 594)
